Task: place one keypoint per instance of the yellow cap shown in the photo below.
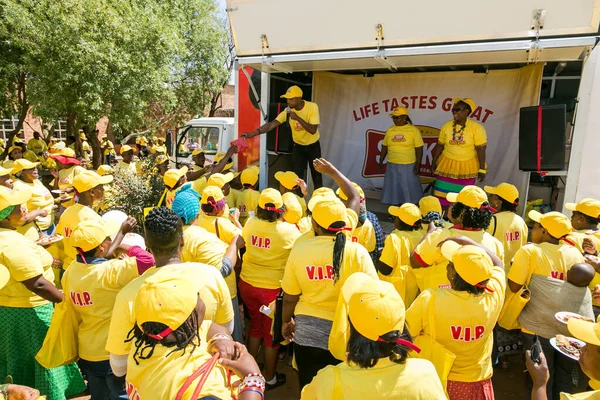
(287, 179)
(343, 196)
(167, 299)
(270, 196)
(250, 176)
(219, 180)
(320, 195)
(470, 196)
(329, 211)
(407, 212)
(66, 152)
(398, 111)
(557, 224)
(589, 207)
(90, 234)
(5, 171)
(218, 157)
(586, 331)
(87, 180)
(141, 140)
(466, 100)
(4, 276)
(293, 91)
(375, 308)
(470, 262)
(505, 190)
(430, 204)
(22, 164)
(125, 148)
(210, 194)
(10, 197)
(161, 158)
(13, 148)
(104, 170)
(82, 136)
(293, 209)
(198, 151)
(173, 176)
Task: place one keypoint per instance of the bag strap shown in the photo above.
(337, 387)
(431, 309)
(201, 372)
(495, 225)
(217, 228)
(162, 197)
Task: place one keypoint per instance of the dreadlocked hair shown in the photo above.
(163, 230)
(184, 336)
(366, 353)
(472, 218)
(268, 215)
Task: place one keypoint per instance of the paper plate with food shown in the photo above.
(569, 346)
(48, 240)
(58, 191)
(565, 316)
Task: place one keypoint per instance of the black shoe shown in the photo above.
(281, 379)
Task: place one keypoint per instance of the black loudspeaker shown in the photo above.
(279, 139)
(553, 137)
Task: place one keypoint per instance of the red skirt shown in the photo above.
(482, 390)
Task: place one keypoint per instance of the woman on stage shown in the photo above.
(459, 156)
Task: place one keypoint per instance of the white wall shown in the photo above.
(583, 179)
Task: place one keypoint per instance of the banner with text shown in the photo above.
(354, 116)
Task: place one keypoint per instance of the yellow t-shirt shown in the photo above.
(204, 247)
(66, 225)
(247, 201)
(545, 259)
(401, 142)
(231, 198)
(65, 181)
(430, 254)
(169, 197)
(24, 260)
(462, 147)
(511, 231)
(397, 248)
(310, 114)
(92, 290)
(30, 156)
(466, 330)
(365, 235)
(200, 184)
(212, 289)
(227, 229)
(416, 379)
(309, 273)
(109, 147)
(41, 199)
(304, 225)
(162, 375)
(268, 246)
(577, 238)
(124, 168)
(37, 145)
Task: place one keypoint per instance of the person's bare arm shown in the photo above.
(216, 169)
(32, 215)
(289, 307)
(310, 128)
(384, 151)
(268, 127)
(126, 228)
(325, 167)
(481, 156)
(514, 287)
(539, 375)
(419, 157)
(383, 268)
(43, 288)
(193, 175)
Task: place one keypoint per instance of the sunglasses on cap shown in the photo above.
(456, 109)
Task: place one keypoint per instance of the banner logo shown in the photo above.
(374, 140)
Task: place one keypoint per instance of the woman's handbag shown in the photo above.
(441, 358)
(514, 303)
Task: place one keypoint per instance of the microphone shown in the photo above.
(288, 111)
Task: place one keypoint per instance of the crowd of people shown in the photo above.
(221, 274)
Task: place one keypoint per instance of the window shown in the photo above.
(206, 138)
(8, 125)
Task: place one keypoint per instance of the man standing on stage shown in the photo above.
(303, 117)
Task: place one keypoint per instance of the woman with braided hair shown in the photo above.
(316, 270)
(169, 360)
(164, 238)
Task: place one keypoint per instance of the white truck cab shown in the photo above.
(211, 134)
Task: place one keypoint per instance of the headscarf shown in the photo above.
(186, 204)
(6, 212)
